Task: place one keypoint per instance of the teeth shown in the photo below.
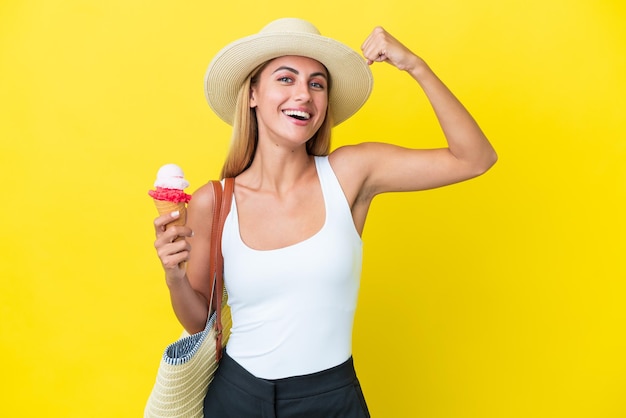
(298, 114)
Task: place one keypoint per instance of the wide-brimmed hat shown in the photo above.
(351, 77)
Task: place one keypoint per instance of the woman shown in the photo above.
(291, 243)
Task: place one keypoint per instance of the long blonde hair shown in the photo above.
(245, 131)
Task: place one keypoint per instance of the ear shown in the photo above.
(253, 103)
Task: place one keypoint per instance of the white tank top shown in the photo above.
(293, 308)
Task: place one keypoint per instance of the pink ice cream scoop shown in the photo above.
(170, 184)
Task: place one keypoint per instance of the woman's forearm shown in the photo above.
(190, 307)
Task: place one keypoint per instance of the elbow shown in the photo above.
(491, 159)
(485, 163)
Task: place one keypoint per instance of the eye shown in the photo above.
(285, 79)
(317, 85)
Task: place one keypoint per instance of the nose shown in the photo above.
(303, 92)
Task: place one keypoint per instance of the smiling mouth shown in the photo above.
(297, 114)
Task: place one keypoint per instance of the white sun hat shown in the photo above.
(351, 76)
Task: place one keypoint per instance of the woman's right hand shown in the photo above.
(171, 246)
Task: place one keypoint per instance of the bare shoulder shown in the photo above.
(357, 160)
(200, 210)
(359, 156)
(345, 160)
(352, 164)
(203, 198)
(351, 157)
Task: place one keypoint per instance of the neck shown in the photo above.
(277, 169)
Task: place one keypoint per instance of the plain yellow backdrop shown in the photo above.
(499, 297)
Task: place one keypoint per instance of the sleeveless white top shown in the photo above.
(293, 308)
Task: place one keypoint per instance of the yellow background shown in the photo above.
(499, 297)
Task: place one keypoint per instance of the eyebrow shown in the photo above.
(296, 72)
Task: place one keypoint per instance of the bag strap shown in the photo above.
(221, 207)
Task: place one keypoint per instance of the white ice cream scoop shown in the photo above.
(171, 176)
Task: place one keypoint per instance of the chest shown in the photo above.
(268, 221)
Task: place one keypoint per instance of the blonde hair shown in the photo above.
(245, 134)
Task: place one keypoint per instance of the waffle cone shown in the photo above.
(164, 206)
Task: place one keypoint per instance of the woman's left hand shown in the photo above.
(380, 46)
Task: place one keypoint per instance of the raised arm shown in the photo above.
(384, 168)
(189, 287)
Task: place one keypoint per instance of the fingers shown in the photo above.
(375, 46)
(162, 221)
(173, 251)
(381, 46)
(172, 248)
(173, 254)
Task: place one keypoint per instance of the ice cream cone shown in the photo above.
(164, 207)
(169, 196)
